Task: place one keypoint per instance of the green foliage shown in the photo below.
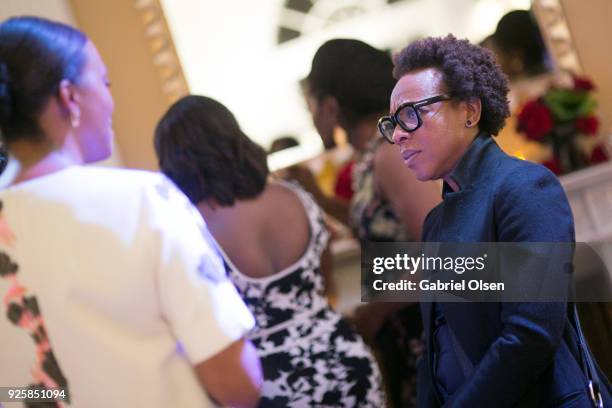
(568, 104)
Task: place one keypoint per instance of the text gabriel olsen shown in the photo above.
(404, 284)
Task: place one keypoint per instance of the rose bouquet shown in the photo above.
(561, 118)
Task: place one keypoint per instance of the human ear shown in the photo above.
(328, 120)
(69, 102)
(330, 108)
(516, 62)
(473, 109)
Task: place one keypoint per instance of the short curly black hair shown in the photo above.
(202, 149)
(469, 71)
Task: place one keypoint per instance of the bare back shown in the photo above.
(264, 235)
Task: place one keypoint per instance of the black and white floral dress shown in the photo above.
(310, 355)
(398, 343)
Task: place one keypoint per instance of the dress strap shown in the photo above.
(315, 215)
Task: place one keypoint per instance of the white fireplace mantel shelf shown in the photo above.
(590, 195)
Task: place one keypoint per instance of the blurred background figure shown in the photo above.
(282, 143)
(273, 239)
(101, 290)
(333, 167)
(520, 51)
(519, 47)
(349, 87)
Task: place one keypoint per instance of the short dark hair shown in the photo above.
(358, 75)
(201, 147)
(518, 30)
(468, 71)
(35, 56)
(282, 143)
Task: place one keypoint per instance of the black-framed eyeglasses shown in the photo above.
(407, 116)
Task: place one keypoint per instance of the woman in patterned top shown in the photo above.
(349, 86)
(272, 237)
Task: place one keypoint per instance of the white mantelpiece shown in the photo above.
(590, 194)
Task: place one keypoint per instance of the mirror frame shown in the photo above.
(164, 56)
(557, 35)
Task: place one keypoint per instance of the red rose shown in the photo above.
(553, 165)
(583, 84)
(587, 125)
(535, 120)
(598, 155)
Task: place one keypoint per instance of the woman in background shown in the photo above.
(520, 51)
(113, 304)
(272, 237)
(349, 86)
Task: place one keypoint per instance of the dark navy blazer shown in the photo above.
(524, 354)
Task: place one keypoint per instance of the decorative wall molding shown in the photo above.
(557, 35)
(165, 58)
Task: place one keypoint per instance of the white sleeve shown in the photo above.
(200, 303)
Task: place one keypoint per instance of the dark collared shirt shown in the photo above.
(467, 168)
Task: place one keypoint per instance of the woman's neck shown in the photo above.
(40, 159)
(206, 209)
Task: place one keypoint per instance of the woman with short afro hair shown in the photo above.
(450, 98)
(469, 72)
